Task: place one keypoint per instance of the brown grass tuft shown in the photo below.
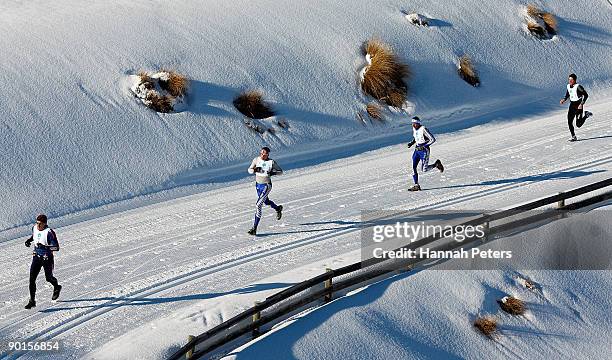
(487, 325)
(176, 84)
(251, 104)
(377, 46)
(467, 71)
(551, 23)
(146, 80)
(160, 103)
(144, 76)
(533, 11)
(512, 305)
(374, 110)
(536, 30)
(384, 77)
(549, 20)
(396, 98)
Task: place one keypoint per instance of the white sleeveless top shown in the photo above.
(40, 237)
(423, 136)
(573, 92)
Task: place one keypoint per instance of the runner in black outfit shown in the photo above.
(45, 243)
(577, 96)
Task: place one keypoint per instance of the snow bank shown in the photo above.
(74, 137)
(429, 313)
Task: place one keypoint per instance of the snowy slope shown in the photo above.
(185, 265)
(429, 315)
(73, 137)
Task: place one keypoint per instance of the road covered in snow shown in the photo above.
(125, 269)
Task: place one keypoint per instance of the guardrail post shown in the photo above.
(189, 353)
(256, 318)
(485, 229)
(404, 269)
(328, 285)
(561, 202)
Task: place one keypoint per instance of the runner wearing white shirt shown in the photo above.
(423, 140)
(263, 167)
(577, 96)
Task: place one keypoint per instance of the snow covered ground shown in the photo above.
(124, 270)
(429, 315)
(152, 209)
(73, 137)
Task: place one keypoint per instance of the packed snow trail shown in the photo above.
(128, 268)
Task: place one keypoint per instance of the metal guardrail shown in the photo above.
(286, 301)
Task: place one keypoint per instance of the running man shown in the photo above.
(577, 96)
(45, 243)
(263, 167)
(423, 140)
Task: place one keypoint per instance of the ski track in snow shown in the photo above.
(135, 235)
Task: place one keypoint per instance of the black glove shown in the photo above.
(411, 143)
(28, 242)
(257, 169)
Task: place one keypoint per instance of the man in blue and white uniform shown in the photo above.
(577, 97)
(45, 243)
(263, 167)
(423, 140)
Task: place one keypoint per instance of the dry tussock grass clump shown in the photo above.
(486, 325)
(536, 30)
(163, 91)
(374, 110)
(467, 71)
(160, 103)
(251, 104)
(533, 10)
(551, 22)
(146, 80)
(512, 305)
(396, 98)
(383, 78)
(545, 24)
(374, 47)
(175, 83)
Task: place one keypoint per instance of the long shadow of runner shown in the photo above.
(401, 216)
(138, 301)
(539, 177)
(596, 137)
